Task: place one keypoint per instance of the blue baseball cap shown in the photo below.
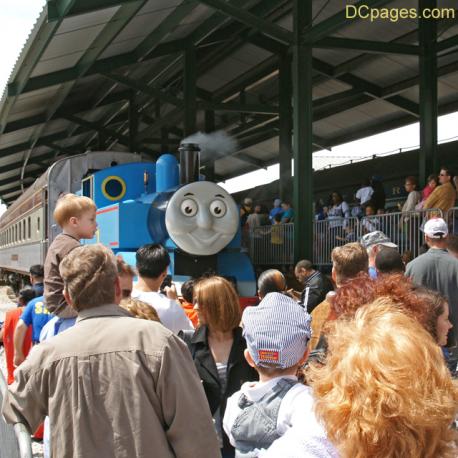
(276, 331)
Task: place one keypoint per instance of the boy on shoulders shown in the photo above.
(76, 216)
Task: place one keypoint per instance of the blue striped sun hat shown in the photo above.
(276, 331)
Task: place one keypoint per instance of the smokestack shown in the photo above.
(189, 162)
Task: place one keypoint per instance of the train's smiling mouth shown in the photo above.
(198, 238)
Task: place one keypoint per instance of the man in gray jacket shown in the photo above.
(437, 270)
(112, 385)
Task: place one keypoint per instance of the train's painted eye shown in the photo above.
(189, 207)
(218, 208)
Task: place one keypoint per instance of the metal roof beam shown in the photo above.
(385, 126)
(55, 9)
(103, 65)
(167, 26)
(267, 67)
(31, 53)
(111, 29)
(161, 94)
(75, 109)
(367, 87)
(240, 14)
(12, 179)
(209, 26)
(356, 135)
(337, 21)
(19, 164)
(377, 47)
(151, 44)
(250, 160)
(235, 34)
(408, 83)
(240, 107)
(447, 44)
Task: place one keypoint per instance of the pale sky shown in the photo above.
(17, 18)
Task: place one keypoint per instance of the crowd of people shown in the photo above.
(339, 221)
(357, 365)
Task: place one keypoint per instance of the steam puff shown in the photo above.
(216, 143)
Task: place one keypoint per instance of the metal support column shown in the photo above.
(428, 94)
(302, 131)
(209, 169)
(286, 120)
(189, 89)
(133, 124)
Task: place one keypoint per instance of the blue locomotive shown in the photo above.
(170, 203)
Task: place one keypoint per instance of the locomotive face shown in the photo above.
(201, 218)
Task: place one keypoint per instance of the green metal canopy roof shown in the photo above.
(138, 75)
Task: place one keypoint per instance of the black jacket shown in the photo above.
(317, 286)
(238, 370)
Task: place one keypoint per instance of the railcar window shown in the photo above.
(29, 228)
(38, 224)
(23, 230)
(19, 230)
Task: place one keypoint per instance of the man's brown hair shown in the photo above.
(89, 273)
(218, 303)
(70, 205)
(349, 260)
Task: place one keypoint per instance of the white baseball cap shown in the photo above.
(436, 228)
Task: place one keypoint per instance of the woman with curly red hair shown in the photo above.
(384, 391)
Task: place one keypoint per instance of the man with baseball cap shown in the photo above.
(277, 332)
(437, 270)
(374, 242)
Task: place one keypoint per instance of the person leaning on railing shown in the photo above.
(444, 196)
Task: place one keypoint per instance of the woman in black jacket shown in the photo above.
(217, 348)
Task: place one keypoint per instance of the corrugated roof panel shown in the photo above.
(229, 165)
(142, 25)
(87, 20)
(159, 5)
(451, 80)
(121, 47)
(335, 56)
(329, 87)
(264, 150)
(58, 63)
(11, 158)
(388, 70)
(14, 138)
(67, 43)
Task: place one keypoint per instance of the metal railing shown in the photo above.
(274, 245)
(452, 218)
(15, 440)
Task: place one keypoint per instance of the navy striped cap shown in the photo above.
(276, 331)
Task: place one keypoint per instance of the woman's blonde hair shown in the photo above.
(70, 205)
(385, 390)
(140, 309)
(218, 303)
(89, 273)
